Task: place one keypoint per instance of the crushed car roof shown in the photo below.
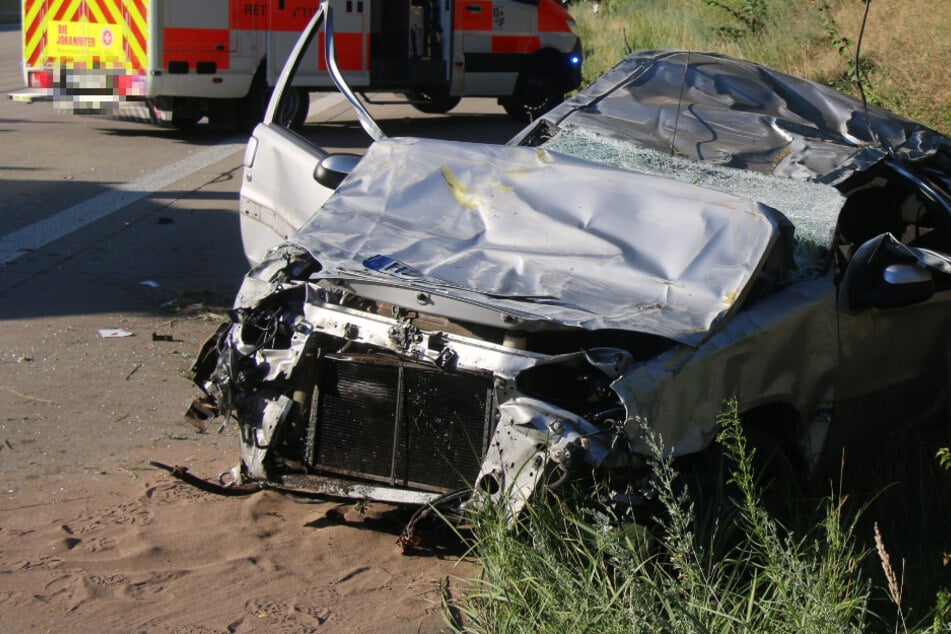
(733, 112)
(542, 236)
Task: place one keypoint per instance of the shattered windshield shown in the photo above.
(812, 208)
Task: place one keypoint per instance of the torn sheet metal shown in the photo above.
(712, 108)
(543, 236)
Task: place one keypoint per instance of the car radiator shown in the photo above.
(386, 420)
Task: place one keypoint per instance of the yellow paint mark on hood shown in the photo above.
(466, 198)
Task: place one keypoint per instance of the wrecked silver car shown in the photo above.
(442, 316)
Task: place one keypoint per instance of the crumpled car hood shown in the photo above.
(737, 113)
(542, 236)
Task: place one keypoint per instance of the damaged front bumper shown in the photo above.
(346, 397)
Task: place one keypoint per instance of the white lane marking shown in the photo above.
(39, 234)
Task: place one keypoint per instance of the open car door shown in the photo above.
(287, 178)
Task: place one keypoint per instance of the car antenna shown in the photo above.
(683, 87)
(872, 132)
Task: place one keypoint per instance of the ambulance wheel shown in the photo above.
(185, 113)
(431, 103)
(536, 92)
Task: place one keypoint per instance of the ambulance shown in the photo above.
(188, 59)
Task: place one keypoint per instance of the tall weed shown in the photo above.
(570, 566)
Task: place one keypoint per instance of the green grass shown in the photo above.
(569, 566)
(905, 54)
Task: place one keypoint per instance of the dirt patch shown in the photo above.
(93, 539)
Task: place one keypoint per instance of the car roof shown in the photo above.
(715, 108)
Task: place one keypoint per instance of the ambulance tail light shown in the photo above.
(41, 79)
(132, 85)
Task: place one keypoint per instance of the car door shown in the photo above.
(280, 189)
(894, 311)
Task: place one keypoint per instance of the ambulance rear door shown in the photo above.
(288, 19)
(247, 23)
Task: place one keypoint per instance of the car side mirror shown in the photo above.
(333, 168)
(903, 285)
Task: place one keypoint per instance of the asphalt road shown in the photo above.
(69, 182)
(113, 223)
(110, 221)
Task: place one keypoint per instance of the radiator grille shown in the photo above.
(400, 423)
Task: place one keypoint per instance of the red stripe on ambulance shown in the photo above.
(552, 17)
(350, 51)
(515, 43)
(197, 45)
(473, 15)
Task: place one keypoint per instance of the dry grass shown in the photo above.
(906, 41)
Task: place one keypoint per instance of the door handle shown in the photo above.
(474, 8)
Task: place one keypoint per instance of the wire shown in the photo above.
(873, 134)
(683, 86)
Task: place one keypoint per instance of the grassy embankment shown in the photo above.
(866, 556)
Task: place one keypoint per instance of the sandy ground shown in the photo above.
(94, 539)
